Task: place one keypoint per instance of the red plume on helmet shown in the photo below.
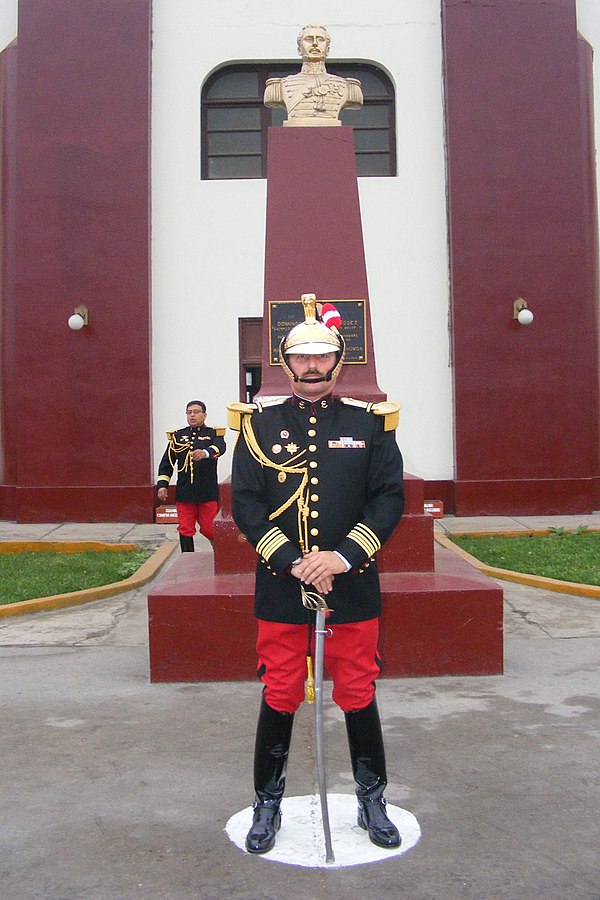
(330, 316)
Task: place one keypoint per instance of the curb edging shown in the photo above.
(145, 573)
(537, 581)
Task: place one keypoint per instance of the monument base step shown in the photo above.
(446, 622)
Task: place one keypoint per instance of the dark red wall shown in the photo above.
(8, 407)
(82, 431)
(522, 224)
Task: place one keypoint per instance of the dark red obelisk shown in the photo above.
(314, 241)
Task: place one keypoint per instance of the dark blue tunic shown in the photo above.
(330, 477)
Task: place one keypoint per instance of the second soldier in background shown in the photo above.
(193, 451)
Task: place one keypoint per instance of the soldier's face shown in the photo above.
(311, 369)
(195, 416)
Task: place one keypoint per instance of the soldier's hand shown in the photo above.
(323, 585)
(318, 569)
(197, 455)
(162, 494)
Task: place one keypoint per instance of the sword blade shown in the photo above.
(320, 736)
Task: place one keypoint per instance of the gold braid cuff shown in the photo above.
(366, 539)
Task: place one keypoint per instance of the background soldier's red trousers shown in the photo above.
(190, 513)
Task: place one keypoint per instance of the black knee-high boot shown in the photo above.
(273, 736)
(365, 740)
(186, 543)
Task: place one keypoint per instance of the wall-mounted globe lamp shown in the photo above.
(521, 312)
(79, 318)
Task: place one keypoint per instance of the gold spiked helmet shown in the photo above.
(312, 337)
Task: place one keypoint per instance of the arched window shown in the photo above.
(235, 120)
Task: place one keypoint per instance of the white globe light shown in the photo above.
(525, 316)
(75, 322)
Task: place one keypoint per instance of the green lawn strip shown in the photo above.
(27, 576)
(567, 557)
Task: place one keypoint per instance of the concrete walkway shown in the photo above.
(113, 787)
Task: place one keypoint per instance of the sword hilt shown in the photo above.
(313, 600)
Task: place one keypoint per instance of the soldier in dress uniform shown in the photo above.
(193, 451)
(317, 489)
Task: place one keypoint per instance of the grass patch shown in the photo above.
(565, 556)
(27, 576)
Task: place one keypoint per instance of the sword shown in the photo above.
(316, 602)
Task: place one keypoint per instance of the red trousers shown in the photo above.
(350, 656)
(190, 513)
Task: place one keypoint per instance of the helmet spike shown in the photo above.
(309, 302)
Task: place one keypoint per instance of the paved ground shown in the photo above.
(115, 788)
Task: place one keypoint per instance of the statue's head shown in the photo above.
(313, 43)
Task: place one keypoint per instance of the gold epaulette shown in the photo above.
(390, 410)
(386, 408)
(220, 431)
(170, 435)
(235, 413)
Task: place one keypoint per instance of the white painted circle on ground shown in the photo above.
(300, 842)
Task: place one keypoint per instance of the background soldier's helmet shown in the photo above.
(313, 336)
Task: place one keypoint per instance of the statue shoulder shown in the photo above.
(355, 96)
(388, 409)
(273, 92)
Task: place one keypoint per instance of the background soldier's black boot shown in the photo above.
(273, 736)
(368, 767)
(186, 543)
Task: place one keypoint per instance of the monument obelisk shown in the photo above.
(314, 240)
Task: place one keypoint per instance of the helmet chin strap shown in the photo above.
(314, 380)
